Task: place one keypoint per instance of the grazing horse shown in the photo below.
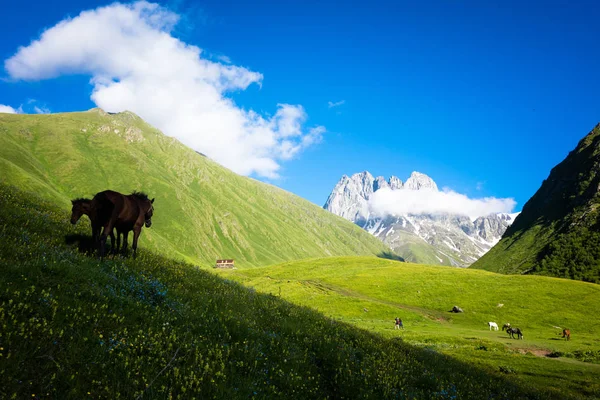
(83, 206)
(124, 212)
(506, 326)
(566, 334)
(515, 331)
(493, 326)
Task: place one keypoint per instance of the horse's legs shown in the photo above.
(118, 242)
(105, 232)
(112, 242)
(136, 235)
(125, 235)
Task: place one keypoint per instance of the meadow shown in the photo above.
(369, 292)
(73, 327)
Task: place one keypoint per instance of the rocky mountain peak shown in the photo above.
(442, 239)
(419, 181)
(350, 196)
(380, 183)
(395, 183)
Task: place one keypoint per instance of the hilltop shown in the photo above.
(558, 231)
(203, 211)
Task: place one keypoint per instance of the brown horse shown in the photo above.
(123, 212)
(83, 206)
(566, 334)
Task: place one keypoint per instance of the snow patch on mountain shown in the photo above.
(452, 232)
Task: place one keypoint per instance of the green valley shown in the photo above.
(369, 293)
(308, 313)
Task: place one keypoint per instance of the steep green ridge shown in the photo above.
(558, 232)
(203, 211)
(153, 328)
(369, 292)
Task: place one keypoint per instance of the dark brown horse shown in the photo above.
(83, 206)
(514, 331)
(566, 334)
(124, 212)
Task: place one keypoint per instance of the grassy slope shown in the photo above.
(72, 327)
(422, 296)
(202, 211)
(564, 210)
(415, 249)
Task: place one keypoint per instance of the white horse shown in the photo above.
(493, 325)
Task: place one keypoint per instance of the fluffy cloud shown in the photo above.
(430, 201)
(7, 109)
(136, 64)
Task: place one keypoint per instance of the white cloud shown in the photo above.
(41, 110)
(8, 109)
(136, 65)
(429, 201)
(224, 59)
(331, 104)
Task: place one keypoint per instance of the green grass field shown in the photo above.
(203, 211)
(73, 327)
(370, 292)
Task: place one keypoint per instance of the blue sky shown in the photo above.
(484, 97)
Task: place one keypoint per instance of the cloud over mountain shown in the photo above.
(431, 201)
(136, 64)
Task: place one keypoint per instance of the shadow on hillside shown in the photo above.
(84, 243)
(390, 256)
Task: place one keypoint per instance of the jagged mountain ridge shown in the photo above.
(558, 232)
(434, 239)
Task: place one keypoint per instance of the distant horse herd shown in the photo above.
(512, 331)
(110, 210)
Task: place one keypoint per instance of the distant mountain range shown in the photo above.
(446, 239)
(558, 232)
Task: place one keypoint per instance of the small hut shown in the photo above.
(224, 264)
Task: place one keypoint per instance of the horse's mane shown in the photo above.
(140, 195)
(80, 200)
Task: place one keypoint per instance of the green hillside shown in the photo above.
(414, 249)
(73, 327)
(203, 211)
(369, 293)
(558, 231)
